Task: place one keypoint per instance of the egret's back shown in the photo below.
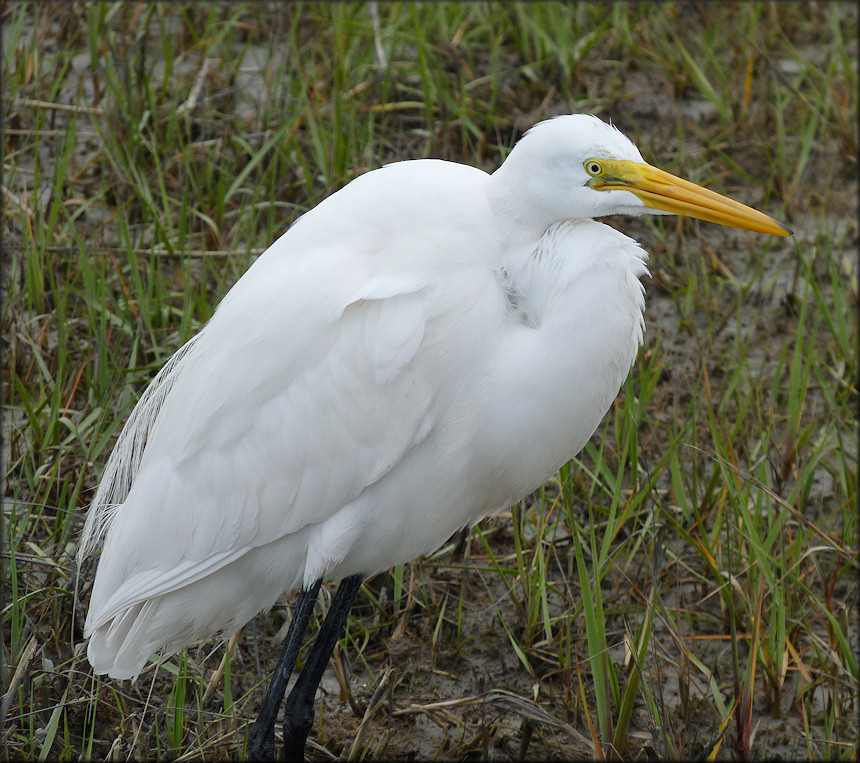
(237, 476)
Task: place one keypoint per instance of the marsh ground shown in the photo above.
(150, 151)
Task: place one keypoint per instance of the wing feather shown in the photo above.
(321, 369)
(260, 428)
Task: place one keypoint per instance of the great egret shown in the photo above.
(423, 348)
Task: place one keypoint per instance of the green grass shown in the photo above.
(688, 583)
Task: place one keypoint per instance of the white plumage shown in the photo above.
(423, 348)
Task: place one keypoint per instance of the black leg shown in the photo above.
(299, 707)
(261, 741)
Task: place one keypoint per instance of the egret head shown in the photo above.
(577, 166)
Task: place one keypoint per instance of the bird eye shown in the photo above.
(593, 167)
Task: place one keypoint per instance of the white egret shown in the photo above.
(423, 348)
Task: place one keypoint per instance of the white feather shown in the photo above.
(423, 348)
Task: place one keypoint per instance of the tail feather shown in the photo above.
(219, 603)
(124, 462)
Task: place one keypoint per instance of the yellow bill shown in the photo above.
(660, 190)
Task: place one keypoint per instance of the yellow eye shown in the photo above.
(593, 167)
